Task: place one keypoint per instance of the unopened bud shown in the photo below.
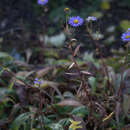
(67, 10)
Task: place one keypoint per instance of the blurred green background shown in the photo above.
(22, 21)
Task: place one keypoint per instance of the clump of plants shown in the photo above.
(78, 92)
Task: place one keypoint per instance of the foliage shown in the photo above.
(50, 83)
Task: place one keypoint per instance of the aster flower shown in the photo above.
(42, 2)
(75, 21)
(126, 36)
(91, 18)
(37, 82)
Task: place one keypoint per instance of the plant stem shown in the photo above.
(43, 40)
(123, 70)
(100, 54)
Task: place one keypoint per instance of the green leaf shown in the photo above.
(4, 55)
(92, 82)
(63, 61)
(62, 109)
(65, 121)
(80, 111)
(20, 120)
(113, 124)
(3, 92)
(54, 126)
(47, 120)
(105, 5)
(89, 57)
(125, 24)
(51, 53)
(11, 85)
(97, 14)
(126, 104)
(20, 77)
(68, 94)
(117, 82)
(1, 71)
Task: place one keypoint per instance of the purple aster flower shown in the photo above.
(37, 81)
(42, 2)
(91, 18)
(75, 21)
(126, 36)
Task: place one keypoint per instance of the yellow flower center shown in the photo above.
(127, 36)
(42, 0)
(76, 21)
(67, 9)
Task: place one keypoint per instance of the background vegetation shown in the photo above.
(33, 44)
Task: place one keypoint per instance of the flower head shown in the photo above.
(67, 10)
(126, 36)
(37, 82)
(75, 125)
(91, 18)
(42, 2)
(75, 21)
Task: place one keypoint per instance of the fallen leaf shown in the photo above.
(71, 65)
(70, 102)
(83, 124)
(43, 72)
(76, 50)
(28, 55)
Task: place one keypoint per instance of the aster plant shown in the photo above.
(42, 2)
(75, 21)
(126, 36)
(91, 18)
(37, 82)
